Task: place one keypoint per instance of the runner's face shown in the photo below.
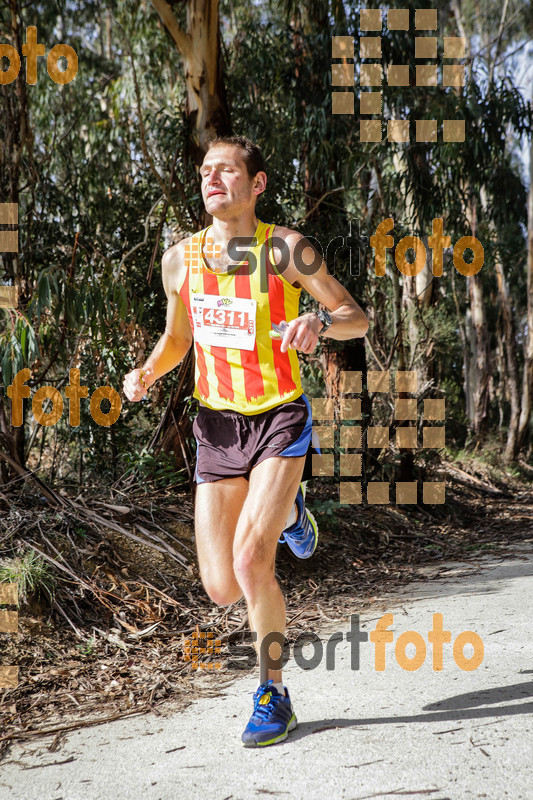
(226, 185)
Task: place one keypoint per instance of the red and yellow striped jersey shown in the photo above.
(254, 376)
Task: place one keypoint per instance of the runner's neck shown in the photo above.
(221, 264)
(223, 231)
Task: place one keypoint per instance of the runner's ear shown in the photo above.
(260, 182)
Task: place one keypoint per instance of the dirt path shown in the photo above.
(447, 735)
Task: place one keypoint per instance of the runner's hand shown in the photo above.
(132, 387)
(302, 334)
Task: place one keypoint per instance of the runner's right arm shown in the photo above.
(173, 345)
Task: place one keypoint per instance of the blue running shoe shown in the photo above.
(302, 535)
(272, 719)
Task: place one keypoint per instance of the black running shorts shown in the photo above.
(230, 444)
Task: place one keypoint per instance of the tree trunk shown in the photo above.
(481, 366)
(334, 361)
(510, 362)
(407, 459)
(16, 155)
(477, 333)
(199, 48)
(527, 386)
(418, 290)
(175, 427)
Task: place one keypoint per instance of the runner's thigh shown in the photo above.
(217, 509)
(271, 495)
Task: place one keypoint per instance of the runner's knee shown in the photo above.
(222, 588)
(253, 566)
(222, 592)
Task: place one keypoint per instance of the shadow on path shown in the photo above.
(459, 709)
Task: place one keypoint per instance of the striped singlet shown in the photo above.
(249, 381)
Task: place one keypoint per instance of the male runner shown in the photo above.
(254, 425)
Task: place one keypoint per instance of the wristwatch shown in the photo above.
(325, 319)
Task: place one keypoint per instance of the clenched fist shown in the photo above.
(132, 387)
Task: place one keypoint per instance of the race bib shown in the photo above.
(224, 321)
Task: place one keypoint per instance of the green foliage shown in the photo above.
(159, 469)
(30, 573)
(88, 648)
(325, 508)
(18, 346)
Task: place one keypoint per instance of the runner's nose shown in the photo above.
(212, 176)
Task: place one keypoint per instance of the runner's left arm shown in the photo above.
(349, 319)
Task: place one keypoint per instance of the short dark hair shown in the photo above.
(251, 154)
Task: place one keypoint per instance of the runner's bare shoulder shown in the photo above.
(174, 267)
(287, 234)
(291, 238)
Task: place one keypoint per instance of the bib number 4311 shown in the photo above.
(225, 317)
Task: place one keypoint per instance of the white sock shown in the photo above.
(279, 687)
(293, 516)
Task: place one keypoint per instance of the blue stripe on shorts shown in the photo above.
(301, 445)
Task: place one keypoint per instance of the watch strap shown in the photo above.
(325, 319)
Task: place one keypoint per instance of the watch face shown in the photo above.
(325, 319)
